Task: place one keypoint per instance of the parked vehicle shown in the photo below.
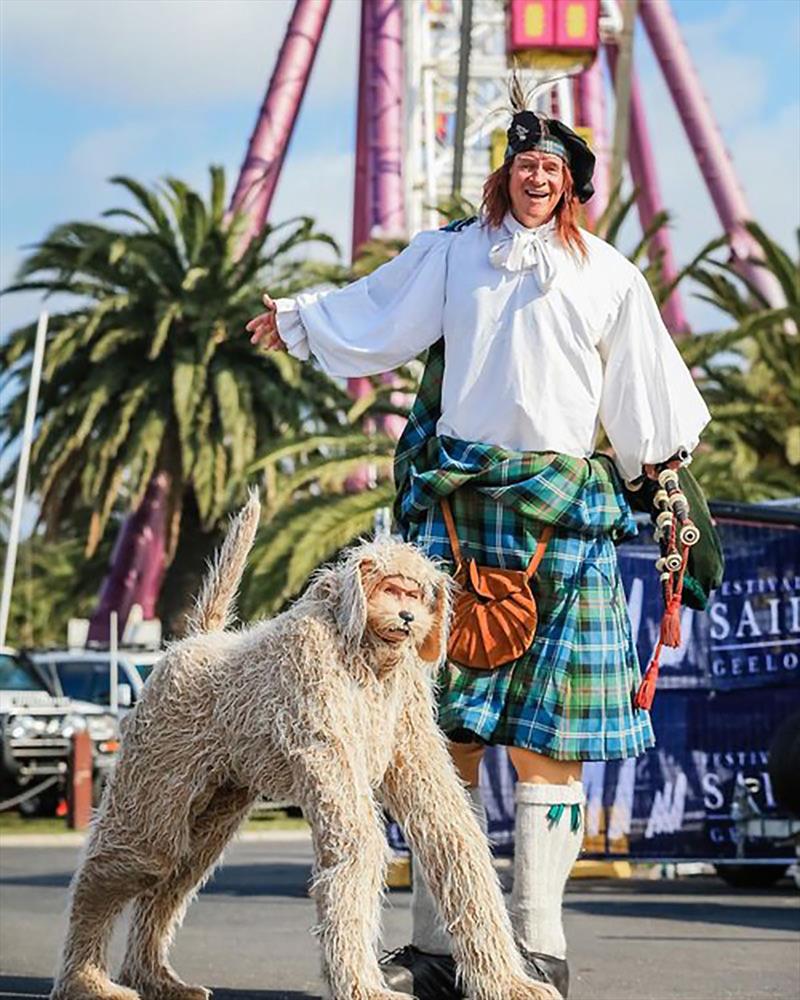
(143, 659)
(36, 729)
(85, 674)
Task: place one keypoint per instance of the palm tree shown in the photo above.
(151, 382)
(750, 377)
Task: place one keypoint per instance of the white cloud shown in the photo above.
(728, 16)
(320, 186)
(99, 154)
(168, 52)
(765, 155)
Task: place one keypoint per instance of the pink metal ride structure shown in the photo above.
(379, 208)
(378, 202)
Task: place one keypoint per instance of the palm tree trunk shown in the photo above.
(184, 574)
(137, 562)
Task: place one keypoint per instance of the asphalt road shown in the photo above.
(247, 934)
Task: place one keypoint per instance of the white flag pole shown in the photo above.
(113, 663)
(22, 475)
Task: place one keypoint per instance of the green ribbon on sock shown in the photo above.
(555, 812)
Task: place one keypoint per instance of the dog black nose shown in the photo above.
(406, 616)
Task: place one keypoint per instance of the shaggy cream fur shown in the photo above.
(328, 705)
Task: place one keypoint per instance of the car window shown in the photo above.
(85, 680)
(144, 669)
(17, 675)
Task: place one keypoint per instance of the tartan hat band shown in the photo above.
(545, 144)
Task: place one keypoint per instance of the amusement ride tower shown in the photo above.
(432, 77)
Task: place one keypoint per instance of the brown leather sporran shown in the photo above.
(494, 615)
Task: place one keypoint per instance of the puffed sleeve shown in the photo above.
(650, 406)
(377, 323)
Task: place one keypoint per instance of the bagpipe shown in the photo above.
(690, 563)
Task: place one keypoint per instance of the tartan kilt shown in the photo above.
(570, 696)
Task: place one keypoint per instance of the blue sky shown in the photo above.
(91, 88)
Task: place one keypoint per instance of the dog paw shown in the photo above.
(182, 992)
(524, 989)
(385, 995)
(166, 988)
(92, 985)
(174, 991)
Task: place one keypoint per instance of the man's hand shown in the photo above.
(263, 329)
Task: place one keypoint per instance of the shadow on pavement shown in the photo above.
(34, 988)
(736, 939)
(644, 900)
(700, 885)
(47, 880)
(16, 987)
(222, 994)
(285, 879)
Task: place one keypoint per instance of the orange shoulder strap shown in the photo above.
(536, 558)
(538, 555)
(451, 530)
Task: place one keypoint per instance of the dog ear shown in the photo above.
(433, 647)
(351, 609)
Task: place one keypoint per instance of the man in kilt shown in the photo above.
(537, 332)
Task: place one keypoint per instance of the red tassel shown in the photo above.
(669, 633)
(647, 689)
(671, 624)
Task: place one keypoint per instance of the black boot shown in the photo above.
(433, 977)
(420, 974)
(547, 969)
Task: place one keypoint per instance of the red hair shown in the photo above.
(497, 202)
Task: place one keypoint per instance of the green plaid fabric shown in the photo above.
(570, 696)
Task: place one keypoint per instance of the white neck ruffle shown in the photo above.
(518, 248)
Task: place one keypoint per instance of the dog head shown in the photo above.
(390, 595)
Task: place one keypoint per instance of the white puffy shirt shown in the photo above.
(540, 345)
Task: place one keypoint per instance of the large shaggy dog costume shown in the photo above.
(328, 705)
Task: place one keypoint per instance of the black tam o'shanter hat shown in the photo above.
(529, 130)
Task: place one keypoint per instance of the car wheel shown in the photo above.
(43, 804)
(751, 876)
(784, 764)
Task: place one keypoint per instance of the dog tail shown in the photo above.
(215, 603)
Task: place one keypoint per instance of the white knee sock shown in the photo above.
(548, 837)
(428, 932)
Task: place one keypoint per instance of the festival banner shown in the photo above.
(721, 696)
(750, 634)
